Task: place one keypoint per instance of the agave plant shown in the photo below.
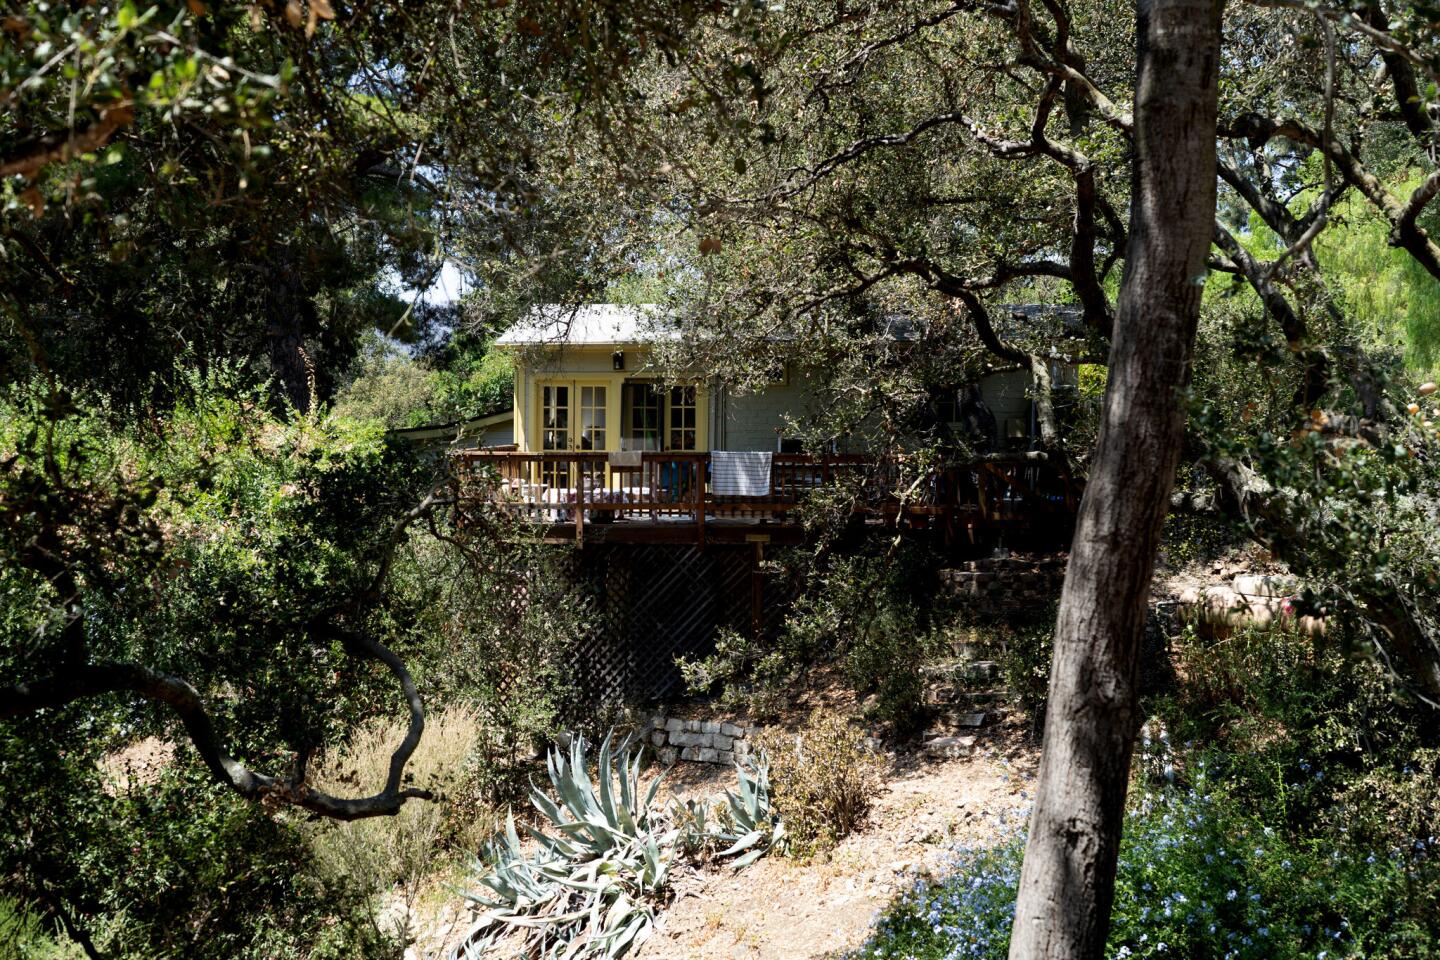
(591, 886)
(745, 822)
(594, 877)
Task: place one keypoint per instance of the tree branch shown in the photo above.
(67, 144)
(1316, 375)
(1405, 232)
(97, 679)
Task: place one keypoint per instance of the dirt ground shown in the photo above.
(780, 908)
(783, 909)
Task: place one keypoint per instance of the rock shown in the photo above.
(950, 747)
(722, 742)
(690, 753)
(692, 725)
(709, 726)
(708, 755)
(730, 730)
(674, 724)
(1261, 586)
(726, 757)
(658, 738)
(668, 756)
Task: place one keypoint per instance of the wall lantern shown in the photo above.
(617, 359)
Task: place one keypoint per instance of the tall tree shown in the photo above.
(1068, 881)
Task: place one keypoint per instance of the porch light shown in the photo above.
(617, 359)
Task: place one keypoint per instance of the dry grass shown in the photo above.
(402, 853)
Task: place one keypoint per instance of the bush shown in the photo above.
(1197, 878)
(402, 851)
(872, 612)
(178, 867)
(495, 625)
(822, 780)
(24, 935)
(1026, 646)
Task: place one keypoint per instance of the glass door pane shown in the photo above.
(641, 416)
(555, 432)
(593, 431)
(683, 433)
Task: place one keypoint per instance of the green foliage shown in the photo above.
(25, 935)
(495, 624)
(1345, 496)
(1280, 703)
(174, 868)
(873, 610)
(205, 543)
(823, 780)
(1198, 877)
(1026, 642)
(389, 386)
(1394, 303)
(401, 390)
(474, 384)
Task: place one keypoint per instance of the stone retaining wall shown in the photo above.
(1007, 582)
(705, 741)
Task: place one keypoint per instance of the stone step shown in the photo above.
(949, 747)
(954, 695)
(960, 671)
(947, 725)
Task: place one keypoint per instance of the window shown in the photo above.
(555, 417)
(555, 432)
(592, 418)
(683, 434)
(641, 415)
(947, 406)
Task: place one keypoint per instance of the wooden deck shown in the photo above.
(669, 498)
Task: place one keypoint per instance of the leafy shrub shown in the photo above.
(1026, 644)
(1197, 878)
(24, 935)
(400, 390)
(823, 779)
(872, 611)
(385, 852)
(1280, 701)
(179, 867)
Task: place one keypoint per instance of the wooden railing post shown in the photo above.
(579, 507)
(700, 501)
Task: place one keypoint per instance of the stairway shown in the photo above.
(964, 693)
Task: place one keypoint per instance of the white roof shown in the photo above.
(589, 324)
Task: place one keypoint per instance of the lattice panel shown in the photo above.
(655, 603)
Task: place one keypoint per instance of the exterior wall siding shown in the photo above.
(753, 421)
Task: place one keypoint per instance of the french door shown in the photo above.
(573, 417)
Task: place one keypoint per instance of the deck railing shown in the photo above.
(583, 488)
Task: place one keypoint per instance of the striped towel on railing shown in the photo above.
(740, 473)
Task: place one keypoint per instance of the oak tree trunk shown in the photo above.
(1067, 883)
